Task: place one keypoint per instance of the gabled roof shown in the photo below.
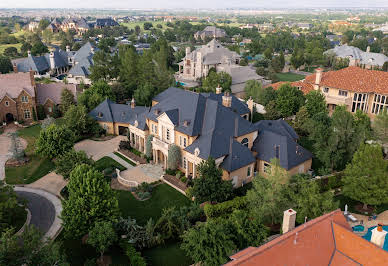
(12, 84)
(326, 240)
(53, 92)
(83, 60)
(351, 52)
(238, 156)
(279, 126)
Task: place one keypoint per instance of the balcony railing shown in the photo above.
(160, 143)
(338, 100)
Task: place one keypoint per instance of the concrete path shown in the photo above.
(51, 182)
(143, 173)
(120, 161)
(99, 149)
(45, 210)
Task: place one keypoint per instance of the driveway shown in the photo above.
(99, 149)
(42, 210)
(51, 182)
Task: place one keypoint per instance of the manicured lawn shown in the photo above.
(168, 254)
(30, 134)
(289, 77)
(107, 162)
(163, 196)
(125, 159)
(35, 169)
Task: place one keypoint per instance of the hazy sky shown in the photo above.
(189, 3)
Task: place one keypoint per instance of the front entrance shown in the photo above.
(123, 131)
(9, 117)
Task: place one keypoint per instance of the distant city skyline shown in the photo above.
(217, 4)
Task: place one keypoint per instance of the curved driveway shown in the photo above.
(42, 210)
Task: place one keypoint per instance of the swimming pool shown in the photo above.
(368, 236)
(358, 228)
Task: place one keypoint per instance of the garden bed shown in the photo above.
(133, 156)
(175, 182)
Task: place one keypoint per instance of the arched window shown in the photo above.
(245, 142)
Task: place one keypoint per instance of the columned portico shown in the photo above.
(136, 138)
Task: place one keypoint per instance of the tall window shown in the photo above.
(24, 99)
(184, 162)
(360, 102)
(277, 151)
(342, 93)
(168, 134)
(27, 114)
(380, 103)
(249, 171)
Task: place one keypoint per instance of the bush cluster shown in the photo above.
(225, 208)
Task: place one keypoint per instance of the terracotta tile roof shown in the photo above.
(354, 79)
(304, 86)
(326, 240)
(12, 84)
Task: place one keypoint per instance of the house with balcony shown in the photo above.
(206, 125)
(357, 88)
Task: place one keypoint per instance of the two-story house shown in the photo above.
(206, 125)
(357, 88)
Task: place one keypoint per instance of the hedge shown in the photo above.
(225, 208)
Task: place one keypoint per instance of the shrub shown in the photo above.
(149, 146)
(225, 208)
(170, 172)
(41, 112)
(47, 121)
(145, 187)
(183, 179)
(174, 156)
(143, 195)
(125, 145)
(135, 258)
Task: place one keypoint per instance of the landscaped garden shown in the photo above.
(289, 77)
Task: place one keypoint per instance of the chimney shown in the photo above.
(15, 68)
(133, 103)
(289, 220)
(52, 61)
(32, 78)
(188, 50)
(318, 78)
(67, 48)
(368, 49)
(227, 100)
(378, 236)
(218, 89)
(29, 53)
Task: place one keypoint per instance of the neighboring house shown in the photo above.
(357, 88)
(54, 26)
(206, 125)
(326, 240)
(49, 95)
(266, 27)
(33, 26)
(304, 26)
(105, 22)
(196, 65)
(210, 32)
(75, 64)
(358, 57)
(80, 25)
(17, 97)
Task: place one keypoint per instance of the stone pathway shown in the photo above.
(143, 173)
(51, 182)
(120, 161)
(99, 149)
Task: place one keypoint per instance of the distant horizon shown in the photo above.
(199, 4)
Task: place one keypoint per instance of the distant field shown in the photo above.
(4, 46)
(289, 77)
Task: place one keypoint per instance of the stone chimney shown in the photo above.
(368, 49)
(289, 217)
(29, 53)
(227, 100)
(378, 236)
(188, 50)
(52, 60)
(218, 89)
(133, 103)
(32, 78)
(67, 48)
(318, 78)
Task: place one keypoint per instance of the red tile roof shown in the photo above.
(326, 240)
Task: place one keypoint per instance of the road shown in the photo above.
(42, 210)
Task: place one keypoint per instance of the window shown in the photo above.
(100, 115)
(168, 134)
(380, 103)
(184, 142)
(27, 114)
(50, 109)
(245, 142)
(184, 162)
(267, 168)
(7, 103)
(249, 171)
(326, 90)
(342, 93)
(360, 102)
(24, 99)
(277, 151)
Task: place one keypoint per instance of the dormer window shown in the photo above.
(100, 115)
(24, 99)
(156, 112)
(7, 103)
(245, 142)
(326, 90)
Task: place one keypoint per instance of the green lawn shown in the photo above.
(107, 162)
(163, 196)
(35, 169)
(168, 254)
(125, 159)
(30, 134)
(289, 77)
(5, 46)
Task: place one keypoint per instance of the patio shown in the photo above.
(382, 218)
(148, 173)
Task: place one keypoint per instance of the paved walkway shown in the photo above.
(51, 182)
(143, 173)
(45, 210)
(99, 149)
(120, 161)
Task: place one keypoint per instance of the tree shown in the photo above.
(269, 196)
(5, 65)
(315, 103)
(137, 30)
(47, 36)
(106, 67)
(214, 79)
(66, 162)
(9, 208)
(268, 95)
(90, 200)
(67, 99)
(144, 94)
(366, 177)
(268, 53)
(310, 202)
(167, 225)
(102, 236)
(38, 48)
(174, 157)
(289, 99)
(253, 89)
(97, 93)
(79, 122)
(129, 70)
(297, 58)
(11, 52)
(301, 121)
(147, 25)
(43, 24)
(54, 141)
(209, 186)
(271, 111)
(208, 243)
(380, 127)
(149, 146)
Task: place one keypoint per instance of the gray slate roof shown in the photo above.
(106, 22)
(83, 60)
(351, 52)
(277, 126)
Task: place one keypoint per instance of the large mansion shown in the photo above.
(206, 125)
(197, 64)
(210, 32)
(357, 88)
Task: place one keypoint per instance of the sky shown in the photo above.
(220, 4)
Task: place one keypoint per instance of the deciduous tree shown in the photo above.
(102, 236)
